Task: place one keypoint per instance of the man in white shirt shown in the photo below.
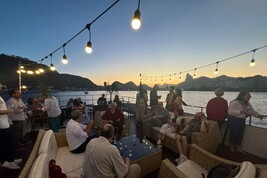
(6, 138)
(79, 135)
(53, 110)
(18, 118)
(102, 159)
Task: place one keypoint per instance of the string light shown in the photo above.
(64, 58)
(170, 78)
(52, 67)
(136, 22)
(162, 79)
(194, 76)
(216, 70)
(217, 63)
(252, 62)
(88, 47)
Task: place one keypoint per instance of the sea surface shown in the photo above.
(193, 98)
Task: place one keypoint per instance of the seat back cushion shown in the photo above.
(192, 169)
(49, 145)
(247, 170)
(40, 167)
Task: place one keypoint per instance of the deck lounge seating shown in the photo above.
(49, 146)
(208, 141)
(201, 161)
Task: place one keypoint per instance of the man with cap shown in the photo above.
(217, 108)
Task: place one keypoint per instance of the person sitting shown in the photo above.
(117, 101)
(78, 135)
(114, 116)
(171, 127)
(183, 138)
(217, 108)
(156, 119)
(102, 100)
(76, 105)
(102, 159)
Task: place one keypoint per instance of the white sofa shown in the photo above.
(57, 149)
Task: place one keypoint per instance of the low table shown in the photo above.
(147, 155)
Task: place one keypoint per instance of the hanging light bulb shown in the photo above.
(52, 67)
(41, 70)
(37, 72)
(30, 72)
(252, 62)
(150, 79)
(155, 79)
(64, 59)
(162, 79)
(194, 76)
(170, 78)
(88, 47)
(216, 70)
(136, 23)
(180, 77)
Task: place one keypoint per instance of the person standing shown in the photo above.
(6, 138)
(102, 159)
(239, 109)
(102, 100)
(18, 118)
(51, 106)
(170, 98)
(217, 108)
(154, 98)
(141, 100)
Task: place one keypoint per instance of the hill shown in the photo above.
(51, 79)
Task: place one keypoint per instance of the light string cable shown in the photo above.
(203, 66)
(87, 25)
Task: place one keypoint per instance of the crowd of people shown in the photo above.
(101, 157)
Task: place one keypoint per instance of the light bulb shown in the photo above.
(52, 67)
(252, 62)
(41, 70)
(30, 72)
(136, 23)
(216, 71)
(64, 60)
(88, 47)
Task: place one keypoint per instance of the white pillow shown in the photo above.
(40, 167)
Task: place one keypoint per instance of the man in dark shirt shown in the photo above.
(102, 100)
(115, 117)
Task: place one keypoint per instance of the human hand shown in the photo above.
(90, 123)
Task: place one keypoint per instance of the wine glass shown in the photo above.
(130, 148)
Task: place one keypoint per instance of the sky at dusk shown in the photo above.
(175, 36)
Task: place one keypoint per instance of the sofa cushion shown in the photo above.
(49, 145)
(247, 170)
(69, 162)
(40, 167)
(192, 169)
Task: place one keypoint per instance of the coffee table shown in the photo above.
(147, 155)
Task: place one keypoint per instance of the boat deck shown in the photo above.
(222, 151)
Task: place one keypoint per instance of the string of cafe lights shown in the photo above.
(136, 24)
(216, 71)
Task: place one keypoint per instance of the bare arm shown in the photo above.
(89, 127)
(203, 128)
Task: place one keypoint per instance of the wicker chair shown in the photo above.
(205, 160)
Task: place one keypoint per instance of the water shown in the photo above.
(195, 98)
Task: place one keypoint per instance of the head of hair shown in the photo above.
(113, 105)
(30, 101)
(241, 95)
(107, 131)
(178, 92)
(222, 171)
(76, 114)
(156, 87)
(219, 92)
(103, 95)
(75, 102)
(12, 92)
(45, 94)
